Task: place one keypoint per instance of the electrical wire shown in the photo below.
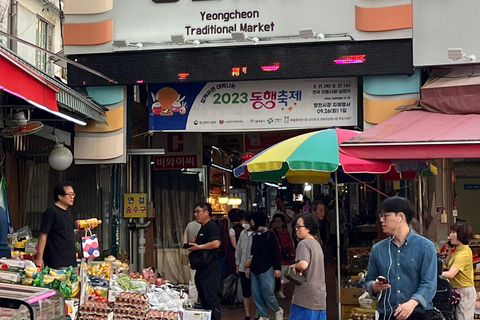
(76, 64)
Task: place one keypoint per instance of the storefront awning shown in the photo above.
(19, 78)
(419, 134)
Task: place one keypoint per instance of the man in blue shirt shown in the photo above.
(4, 248)
(408, 264)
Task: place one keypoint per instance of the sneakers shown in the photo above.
(279, 314)
(239, 306)
(263, 318)
(246, 318)
(281, 295)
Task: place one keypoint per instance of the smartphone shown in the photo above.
(187, 245)
(382, 280)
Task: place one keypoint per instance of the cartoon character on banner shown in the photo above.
(167, 101)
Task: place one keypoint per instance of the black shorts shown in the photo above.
(246, 285)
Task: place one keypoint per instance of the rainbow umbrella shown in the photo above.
(310, 157)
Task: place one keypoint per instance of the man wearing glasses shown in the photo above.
(56, 243)
(402, 269)
(207, 278)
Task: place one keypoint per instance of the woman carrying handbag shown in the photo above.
(309, 298)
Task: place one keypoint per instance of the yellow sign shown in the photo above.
(135, 205)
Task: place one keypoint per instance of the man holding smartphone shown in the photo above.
(402, 270)
(207, 278)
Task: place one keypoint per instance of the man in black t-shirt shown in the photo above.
(56, 243)
(207, 279)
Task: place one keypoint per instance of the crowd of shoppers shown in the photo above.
(402, 270)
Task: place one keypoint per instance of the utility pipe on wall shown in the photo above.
(13, 24)
(142, 225)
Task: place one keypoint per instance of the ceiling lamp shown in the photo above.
(235, 201)
(223, 199)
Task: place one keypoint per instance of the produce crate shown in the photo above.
(350, 295)
(358, 251)
(347, 311)
(362, 314)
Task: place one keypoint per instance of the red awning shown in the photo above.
(22, 81)
(419, 135)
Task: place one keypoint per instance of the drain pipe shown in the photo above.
(141, 224)
(13, 24)
(131, 224)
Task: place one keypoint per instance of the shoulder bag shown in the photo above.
(200, 259)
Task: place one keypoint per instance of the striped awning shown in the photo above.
(20, 78)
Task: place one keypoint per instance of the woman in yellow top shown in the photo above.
(460, 269)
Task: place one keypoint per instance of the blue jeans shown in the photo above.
(297, 313)
(263, 290)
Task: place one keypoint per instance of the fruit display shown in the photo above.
(61, 280)
(148, 275)
(99, 295)
(102, 270)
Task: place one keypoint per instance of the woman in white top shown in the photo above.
(242, 254)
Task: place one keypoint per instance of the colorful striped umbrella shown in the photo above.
(309, 157)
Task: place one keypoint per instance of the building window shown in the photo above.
(44, 40)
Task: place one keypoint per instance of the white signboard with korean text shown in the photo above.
(155, 21)
(253, 105)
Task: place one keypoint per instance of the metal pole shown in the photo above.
(141, 221)
(338, 249)
(142, 225)
(13, 24)
(420, 202)
(129, 190)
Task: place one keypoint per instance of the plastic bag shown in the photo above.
(90, 246)
(23, 233)
(228, 289)
(366, 302)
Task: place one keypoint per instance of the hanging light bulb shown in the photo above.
(60, 158)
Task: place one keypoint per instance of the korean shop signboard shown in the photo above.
(253, 105)
(135, 205)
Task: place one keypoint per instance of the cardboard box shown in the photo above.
(351, 295)
(197, 314)
(71, 307)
